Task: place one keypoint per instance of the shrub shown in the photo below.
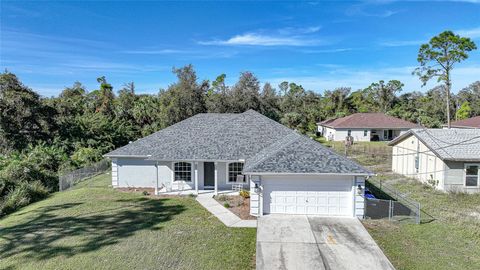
(245, 194)
(222, 198)
(145, 193)
(226, 205)
(23, 194)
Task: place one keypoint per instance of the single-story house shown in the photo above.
(364, 127)
(285, 172)
(446, 158)
(473, 122)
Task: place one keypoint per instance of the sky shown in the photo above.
(50, 45)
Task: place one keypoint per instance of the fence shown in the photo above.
(71, 178)
(392, 204)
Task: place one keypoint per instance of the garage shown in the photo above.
(311, 195)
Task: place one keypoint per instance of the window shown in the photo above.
(365, 133)
(234, 169)
(349, 132)
(471, 175)
(385, 134)
(183, 171)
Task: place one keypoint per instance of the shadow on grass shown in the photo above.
(41, 237)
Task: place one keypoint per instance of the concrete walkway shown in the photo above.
(223, 214)
(304, 242)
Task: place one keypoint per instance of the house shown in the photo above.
(446, 158)
(364, 127)
(285, 172)
(473, 122)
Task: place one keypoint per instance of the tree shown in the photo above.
(217, 100)
(471, 94)
(105, 97)
(24, 118)
(386, 93)
(438, 57)
(464, 112)
(269, 102)
(246, 93)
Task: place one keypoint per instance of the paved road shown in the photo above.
(301, 242)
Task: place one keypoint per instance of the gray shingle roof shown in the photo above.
(300, 154)
(448, 144)
(248, 136)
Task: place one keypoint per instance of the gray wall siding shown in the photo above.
(455, 178)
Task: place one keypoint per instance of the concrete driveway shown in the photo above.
(302, 242)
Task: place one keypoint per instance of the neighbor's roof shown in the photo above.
(448, 144)
(473, 122)
(367, 120)
(248, 136)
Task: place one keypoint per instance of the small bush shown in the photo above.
(23, 194)
(222, 198)
(145, 193)
(245, 194)
(226, 205)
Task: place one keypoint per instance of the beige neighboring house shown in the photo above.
(364, 127)
(449, 159)
(473, 122)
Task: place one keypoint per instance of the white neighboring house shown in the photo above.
(285, 172)
(446, 158)
(364, 127)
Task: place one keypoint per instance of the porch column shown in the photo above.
(196, 177)
(216, 178)
(156, 177)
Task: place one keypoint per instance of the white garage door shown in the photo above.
(307, 195)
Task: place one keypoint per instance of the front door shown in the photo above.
(208, 174)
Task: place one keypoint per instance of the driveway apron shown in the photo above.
(304, 242)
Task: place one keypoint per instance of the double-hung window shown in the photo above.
(234, 169)
(183, 171)
(472, 175)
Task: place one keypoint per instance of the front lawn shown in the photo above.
(447, 238)
(95, 227)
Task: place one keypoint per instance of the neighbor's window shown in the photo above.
(183, 171)
(365, 132)
(234, 169)
(349, 132)
(471, 175)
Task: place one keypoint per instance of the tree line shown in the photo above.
(42, 136)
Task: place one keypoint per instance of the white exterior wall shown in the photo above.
(358, 134)
(135, 172)
(114, 172)
(430, 167)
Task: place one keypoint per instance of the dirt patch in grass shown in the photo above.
(236, 204)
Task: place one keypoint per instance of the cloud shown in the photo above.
(155, 51)
(401, 43)
(335, 50)
(471, 33)
(253, 39)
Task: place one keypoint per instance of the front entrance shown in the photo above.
(208, 174)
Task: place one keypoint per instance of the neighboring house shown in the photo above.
(364, 127)
(473, 122)
(446, 158)
(285, 172)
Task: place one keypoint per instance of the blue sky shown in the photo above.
(320, 45)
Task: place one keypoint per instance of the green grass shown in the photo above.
(447, 238)
(95, 227)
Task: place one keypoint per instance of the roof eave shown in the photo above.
(305, 173)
